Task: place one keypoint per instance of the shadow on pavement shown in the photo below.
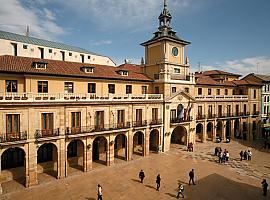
(150, 186)
(91, 198)
(136, 180)
(171, 195)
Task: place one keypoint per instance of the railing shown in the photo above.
(46, 133)
(221, 97)
(12, 137)
(37, 97)
(256, 113)
(211, 116)
(140, 123)
(155, 122)
(245, 113)
(181, 120)
(200, 117)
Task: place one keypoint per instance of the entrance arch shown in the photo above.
(199, 132)
(75, 155)
(100, 148)
(47, 159)
(209, 130)
(237, 129)
(13, 164)
(228, 129)
(219, 129)
(179, 136)
(120, 147)
(138, 144)
(154, 140)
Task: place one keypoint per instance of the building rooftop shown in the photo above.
(219, 72)
(263, 77)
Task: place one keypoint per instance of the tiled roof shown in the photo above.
(24, 65)
(245, 82)
(130, 67)
(31, 40)
(263, 77)
(218, 72)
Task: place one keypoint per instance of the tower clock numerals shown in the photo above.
(175, 51)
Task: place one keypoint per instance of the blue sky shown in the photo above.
(229, 35)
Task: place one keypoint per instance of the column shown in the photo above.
(61, 159)
(31, 165)
(146, 142)
(204, 134)
(214, 131)
(87, 160)
(223, 130)
(129, 145)
(110, 153)
(232, 129)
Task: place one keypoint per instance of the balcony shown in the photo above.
(13, 137)
(140, 123)
(44, 133)
(155, 122)
(182, 120)
(200, 117)
(74, 97)
(211, 116)
(221, 97)
(245, 114)
(256, 113)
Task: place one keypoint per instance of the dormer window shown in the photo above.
(123, 72)
(87, 69)
(40, 65)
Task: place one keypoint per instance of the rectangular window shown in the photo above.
(237, 110)
(111, 88)
(177, 71)
(254, 94)
(128, 89)
(50, 50)
(254, 108)
(228, 110)
(11, 86)
(14, 49)
(99, 120)
(245, 109)
(91, 88)
(47, 124)
(173, 89)
(209, 91)
(200, 110)
(42, 86)
(41, 52)
(120, 118)
(25, 46)
(226, 91)
(89, 57)
(187, 90)
(13, 125)
(144, 89)
(173, 114)
(68, 87)
(218, 91)
(138, 116)
(210, 111)
(154, 114)
(219, 110)
(156, 90)
(82, 58)
(70, 54)
(63, 55)
(75, 122)
(199, 91)
(156, 76)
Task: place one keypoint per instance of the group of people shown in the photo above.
(246, 155)
(190, 146)
(223, 157)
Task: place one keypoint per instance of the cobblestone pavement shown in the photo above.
(233, 180)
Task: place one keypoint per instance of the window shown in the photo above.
(199, 91)
(82, 58)
(99, 120)
(68, 87)
(218, 91)
(209, 91)
(173, 114)
(88, 69)
(89, 57)
(14, 49)
(245, 109)
(156, 76)
(11, 86)
(25, 46)
(41, 51)
(144, 89)
(13, 125)
(156, 90)
(219, 110)
(154, 114)
(210, 111)
(50, 50)
(120, 118)
(254, 94)
(177, 71)
(187, 90)
(254, 108)
(111, 88)
(139, 116)
(124, 73)
(63, 55)
(228, 110)
(70, 54)
(42, 86)
(237, 110)
(173, 89)
(128, 89)
(75, 122)
(199, 110)
(91, 88)
(226, 91)
(47, 123)
(39, 65)
(234, 92)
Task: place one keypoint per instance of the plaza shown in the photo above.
(233, 180)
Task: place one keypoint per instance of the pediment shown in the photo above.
(180, 96)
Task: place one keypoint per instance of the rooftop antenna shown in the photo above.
(27, 31)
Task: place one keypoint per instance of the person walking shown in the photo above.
(141, 175)
(220, 155)
(227, 156)
(180, 191)
(99, 192)
(158, 182)
(241, 155)
(249, 154)
(245, 155)
(264, 186)
(191, 177)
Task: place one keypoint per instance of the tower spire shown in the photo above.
(165, 4)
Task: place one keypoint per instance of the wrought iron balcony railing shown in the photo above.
(140, 123)
(13, 137)
(43, 133)
(199, 116)
(155, 122)
(181, 120)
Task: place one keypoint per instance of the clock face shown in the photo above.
(175, 51)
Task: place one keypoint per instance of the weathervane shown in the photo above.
(165, 3)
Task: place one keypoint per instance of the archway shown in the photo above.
(228, 129)
(179, 136)
(199, 132)
(154, 140)
(47, 159)
(75, 155)
(138, 143)
(100, 148)
(120, 147)
(209, 130)
(219, 129)
(13, 165)
(237, 129)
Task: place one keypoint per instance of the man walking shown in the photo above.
(180, 191)
(241, 155)
(141, 175)
(264, 186)
(191, 177)
(99, 192)
(158, 182)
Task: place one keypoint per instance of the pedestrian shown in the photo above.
(224, 156)
(220, 156)
(241, 155)
(264, 186)
(180, 191)
(245, 155)
(99, 192)
(227, 156)
(191, 177)
(158, 182)
(141, 175)
(249, 154)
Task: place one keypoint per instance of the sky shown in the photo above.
(231, 35)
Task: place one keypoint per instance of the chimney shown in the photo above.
(27, 31)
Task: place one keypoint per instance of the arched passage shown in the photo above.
(228, 129)
(120, 147)
(138, 143)
(47, 159)
(199, 132)
(219, 129)
(100, 150)
(154, 140)
(13, 164)
(209, 130)
(75, 155)
(179, 136)
(237, 129)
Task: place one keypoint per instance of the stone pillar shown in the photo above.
(61, 159)
(232, 129)
(129, 145)
(87, 159)
(31, 165)
(110, 153)
(214, 131)
(146, 142)
(224, 131)
(204, 133)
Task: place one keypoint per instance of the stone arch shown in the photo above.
(100, 148)
(120, 146)
(154, 140)
(210, 130)
(75, 155)
(199, 132)
(179, 135)
(138, 143)
(219, 129)
(228, 129)
(13, 164)
(47, 159)
(237, 133)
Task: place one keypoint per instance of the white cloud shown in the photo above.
(14, 17)
(101, 42)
